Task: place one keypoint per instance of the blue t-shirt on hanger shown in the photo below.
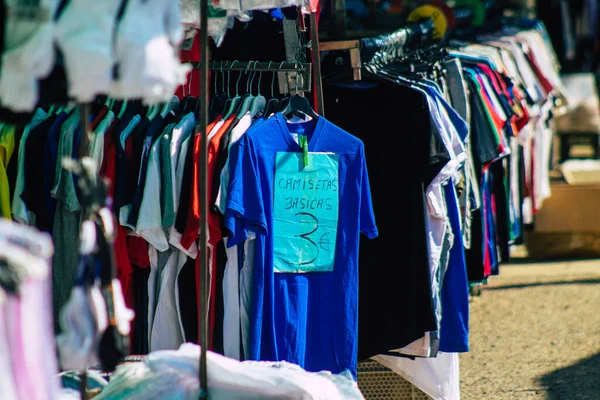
(454, 329)
(307, 211)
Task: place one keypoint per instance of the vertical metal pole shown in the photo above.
(84, 117)
(316, 59)
(203, 274)
(83, 381)
(87, 135)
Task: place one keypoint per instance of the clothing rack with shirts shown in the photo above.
(470, 95)
(384, 46)
(299, 81)
(128, 153)
(239, 211)
(372, 50)
(293, 77)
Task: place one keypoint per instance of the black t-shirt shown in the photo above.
(458, 95)
(186, 189)
(403, 153)
(34, 195)
(502, 212)
(474, 255)
(483, 138)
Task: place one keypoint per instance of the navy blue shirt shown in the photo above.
(454, 329)
(155, 128)
(35, 193)
(119, 185)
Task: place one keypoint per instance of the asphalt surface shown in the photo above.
(535, 334)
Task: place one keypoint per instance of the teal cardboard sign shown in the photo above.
(305, 211)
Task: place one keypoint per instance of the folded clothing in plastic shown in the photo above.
(173, 374)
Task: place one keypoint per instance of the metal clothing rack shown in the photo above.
(250, 66)
(203, 275)
(294, 74)
(302, 70)
(377, 49)
(294, 77)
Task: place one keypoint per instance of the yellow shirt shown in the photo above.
(7, 147)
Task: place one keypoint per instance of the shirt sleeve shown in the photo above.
(367, 215)
(245, 208)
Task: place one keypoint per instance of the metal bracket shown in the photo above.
(290, 37)
(353, 47)
(295, 82)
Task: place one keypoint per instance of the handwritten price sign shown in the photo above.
(306, 205)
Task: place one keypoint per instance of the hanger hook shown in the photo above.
(223, 76)
(248, 80)
(237, 84)
(254, 77)
(253, 74)
(259, 79)
(216, 75)
(253, 63)
(273, 80)
(229, 79)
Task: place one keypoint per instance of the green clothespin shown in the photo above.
(304, 145)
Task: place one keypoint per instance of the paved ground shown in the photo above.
(535, 334)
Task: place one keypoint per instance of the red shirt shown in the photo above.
(109, 161)
(109, 171)
(192, 227)
(498, 122)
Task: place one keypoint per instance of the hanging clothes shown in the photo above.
(7, 148)
(28, 360)
(276, 291)
(408, 288)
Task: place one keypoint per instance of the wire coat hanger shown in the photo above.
(235, 101)
(273, 102)
(260, 102)
(248, 97)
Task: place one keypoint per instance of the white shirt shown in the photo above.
(149, 224)
(231, 281)
(438, 377)
(236, 133)
(165, 329)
